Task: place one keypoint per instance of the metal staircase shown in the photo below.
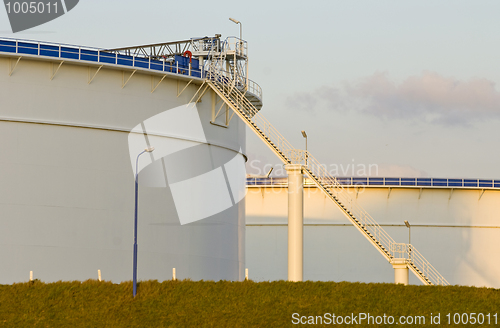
(232, 90)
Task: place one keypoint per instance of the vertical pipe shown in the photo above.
(99, 275)
(295, 222)
(31, 275)
(246, 274)
(400, 271)
(174, 277)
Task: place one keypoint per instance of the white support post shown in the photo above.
(173, 274)
(246, 274)
(31, 275)
(295, 221)
(99, 275)
(400, 271)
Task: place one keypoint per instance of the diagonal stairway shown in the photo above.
(233, 94)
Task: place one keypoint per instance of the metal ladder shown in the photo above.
(226, 88)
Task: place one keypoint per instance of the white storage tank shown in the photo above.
(73, 121)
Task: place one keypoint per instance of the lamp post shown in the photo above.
(304, 134)
(241, 28)
(409, 238)
(150, 149)
(237, 22)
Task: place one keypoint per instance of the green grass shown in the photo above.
(226, 304)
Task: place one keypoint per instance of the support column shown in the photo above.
(400, 271)
(295, 221)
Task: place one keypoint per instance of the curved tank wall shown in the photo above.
(456, 229)
(67, 152)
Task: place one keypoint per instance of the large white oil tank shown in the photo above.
(72, 122)
(454, 223)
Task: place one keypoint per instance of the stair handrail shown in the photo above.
(428, 270)
(321, 176)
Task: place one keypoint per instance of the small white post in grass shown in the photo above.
(31, 275)
(246, 274)
(173, 274)
(99, 274)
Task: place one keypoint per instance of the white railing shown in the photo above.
(326, 181)
(255, 89)
(221, 82)
(232, 43)
(419, 261)
(240, 82)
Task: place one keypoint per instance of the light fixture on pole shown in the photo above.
(241, 35)
(148, 150)
(304, 134)
(237, 22)
(409, 238)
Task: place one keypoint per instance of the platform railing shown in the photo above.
(65, 51)
(397, 182)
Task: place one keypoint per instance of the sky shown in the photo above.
(408, 88)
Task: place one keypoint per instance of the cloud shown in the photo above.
(400, 171)
(428, 97)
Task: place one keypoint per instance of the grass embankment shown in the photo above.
(227, 304)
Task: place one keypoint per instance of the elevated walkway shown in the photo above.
(391, 182)
(163, 59)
